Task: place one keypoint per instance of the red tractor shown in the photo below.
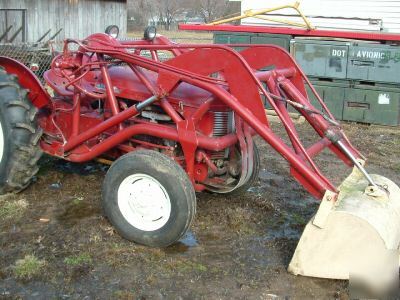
(176, 119)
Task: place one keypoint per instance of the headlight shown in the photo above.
(150, 33)
(112, 31)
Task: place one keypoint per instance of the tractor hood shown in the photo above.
(128, 86)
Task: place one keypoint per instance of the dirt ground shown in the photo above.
(55, 244)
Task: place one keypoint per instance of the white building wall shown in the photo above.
(374, 15)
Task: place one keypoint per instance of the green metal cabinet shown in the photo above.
(231, 38)
(320, 58)
(349, 76)
(331, 93)
(372, 104)
(374, 62)
(281, 40)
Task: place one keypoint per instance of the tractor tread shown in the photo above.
(19, 103)
(23, 149)
(36, 137)
(9, 84)
(25, 126)
(32, 114)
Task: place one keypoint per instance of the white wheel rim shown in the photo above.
(144, 202)
(1, 142)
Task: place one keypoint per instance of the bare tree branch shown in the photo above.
(211, 9)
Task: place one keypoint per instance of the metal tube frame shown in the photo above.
(238, 71)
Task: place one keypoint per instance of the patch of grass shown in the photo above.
(77, 260)
(298, 219)
(28, 267)
(184, 266)
(77, 200)
(240, 220)
(199, 267)
(10, 208)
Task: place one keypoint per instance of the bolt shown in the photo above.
(329, 198)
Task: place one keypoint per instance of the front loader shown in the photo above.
(175, 119)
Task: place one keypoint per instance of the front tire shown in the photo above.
(19, 136)
(148, 198)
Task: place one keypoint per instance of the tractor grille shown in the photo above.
(221, 123)
(222, 126)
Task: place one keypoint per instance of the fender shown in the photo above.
(37, 94)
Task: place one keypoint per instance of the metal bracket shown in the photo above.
(326, 206)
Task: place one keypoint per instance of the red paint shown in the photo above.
(27, 80)
(198, 93)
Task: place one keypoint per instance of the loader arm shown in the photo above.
(238, 72)
(239, 84)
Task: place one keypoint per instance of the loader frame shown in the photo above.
(233, 77)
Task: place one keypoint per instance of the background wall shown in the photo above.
(78, 19)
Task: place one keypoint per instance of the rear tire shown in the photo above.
(19, 136)
(148, 198)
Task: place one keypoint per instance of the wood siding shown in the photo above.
(78, 19)
(374, 15)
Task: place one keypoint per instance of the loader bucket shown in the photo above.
(356, 234)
